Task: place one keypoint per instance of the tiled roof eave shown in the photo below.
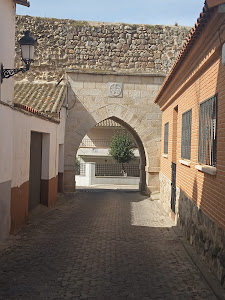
(58, 104)
(22, 2)
(191, 38)
(40, 98)
(28, 110)
(212, 3)
(108, 123)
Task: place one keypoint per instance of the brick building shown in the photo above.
(192, 170)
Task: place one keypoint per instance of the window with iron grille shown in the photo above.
(207, 132)
(186, 135)
(166, 131)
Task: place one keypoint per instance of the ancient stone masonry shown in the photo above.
(69, 44)
(112, 71)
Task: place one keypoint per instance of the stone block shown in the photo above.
(158, 80)
(134, 94)
(92, 92)
(103, 113)
(146, 94)
(128, 116)
(153, 87)
(109, 78)
(86, 77)
(77, 85)
(89, 85)
(129, 86)
(140, 87)
(101, 85)
(69, 181)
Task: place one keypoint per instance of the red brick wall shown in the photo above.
(200, 77)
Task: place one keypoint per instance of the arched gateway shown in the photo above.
(106, 49)
(126, 98)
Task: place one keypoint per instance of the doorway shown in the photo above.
(174, 162)
(35, 170)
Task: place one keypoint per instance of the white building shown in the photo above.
(32, 122)
(94, 159)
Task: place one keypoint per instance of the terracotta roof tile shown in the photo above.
(22, 2)
(42, 98)
(108, 123)
(212, 3)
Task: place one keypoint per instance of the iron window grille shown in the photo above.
(208, 132)
(186, 135)
(166, 132)
(81, 169)
(98, 143)
(116, 170)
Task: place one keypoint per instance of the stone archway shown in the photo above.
(89, 103)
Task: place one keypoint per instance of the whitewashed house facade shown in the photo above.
(32, 119)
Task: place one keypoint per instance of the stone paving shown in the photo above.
(100, 245)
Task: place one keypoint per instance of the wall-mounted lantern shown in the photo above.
(27, 44)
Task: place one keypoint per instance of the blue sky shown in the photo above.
(125, 11)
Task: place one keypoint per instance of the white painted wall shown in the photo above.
(16, 127)
(7, 50)
(116, 180)
(45, 155)
(15, 135)
(6, 141)
(61, 158)
(53, 135)
(99, 152)
(6, 128)
(7, 47)
(15, 145)
(90, 179)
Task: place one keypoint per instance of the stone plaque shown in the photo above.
(115, 89)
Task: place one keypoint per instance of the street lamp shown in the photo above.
(27, 44)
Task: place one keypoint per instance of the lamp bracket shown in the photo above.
(7, 73)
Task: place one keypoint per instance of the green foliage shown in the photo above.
(121, 148)
(77, 164)
(79, 23)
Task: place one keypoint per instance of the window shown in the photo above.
(166, 131)
(207, 132)
(186, 135)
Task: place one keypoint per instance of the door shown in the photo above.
(35, 170)
(173, 188)
(174, 159)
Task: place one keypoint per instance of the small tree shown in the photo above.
(77, 164)
(121, 149)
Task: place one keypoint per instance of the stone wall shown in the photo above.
(69, 44)
(165, 192)
(203, 234)
(165, 195)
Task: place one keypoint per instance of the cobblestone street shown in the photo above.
(100, 245)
